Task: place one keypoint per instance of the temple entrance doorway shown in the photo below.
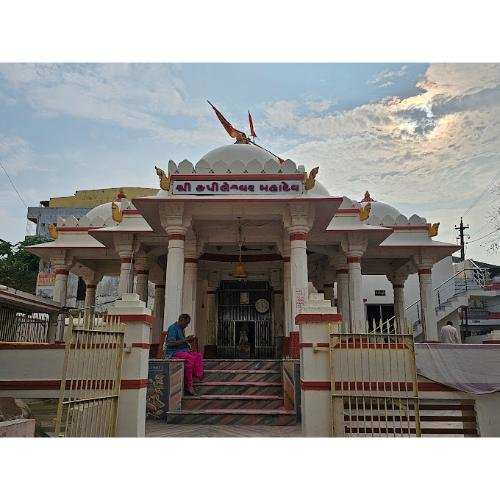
(244, 320)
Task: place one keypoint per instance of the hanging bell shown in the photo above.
(240, 271)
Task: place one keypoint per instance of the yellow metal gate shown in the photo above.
(374, 383)
(90, 383)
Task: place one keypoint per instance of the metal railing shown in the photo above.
(22, 326)
(465, 280)
(374, 391)
(90, 383)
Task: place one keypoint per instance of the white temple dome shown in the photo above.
(383, 214)
(238, 152)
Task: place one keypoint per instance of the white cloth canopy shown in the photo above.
(472, 368)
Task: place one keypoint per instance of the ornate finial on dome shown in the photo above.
(364, 212)
(164, 179)
(121, 195)
(432, 229)
(310, 179)
(53, 232)
(367, 197)
(116, 213)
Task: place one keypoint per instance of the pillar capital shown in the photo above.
(354, 245)
(62, 263)
(397, 278)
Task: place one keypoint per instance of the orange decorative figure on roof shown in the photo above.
(164, 179)
(116, 213)
(310, 179)
(364, 212)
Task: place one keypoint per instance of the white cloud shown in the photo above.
(435, 150)
(386, 78)
(139, 97)
(15, 154)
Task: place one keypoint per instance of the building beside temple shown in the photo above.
(237, 240)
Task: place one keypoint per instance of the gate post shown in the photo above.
(315, 320)
(132, 401)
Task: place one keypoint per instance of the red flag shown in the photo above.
(234, 133)
(252, 130)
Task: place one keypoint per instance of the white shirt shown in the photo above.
(449, 335)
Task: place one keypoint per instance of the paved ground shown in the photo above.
(157, 428)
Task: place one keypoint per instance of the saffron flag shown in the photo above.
(229, 128)
(252, 130)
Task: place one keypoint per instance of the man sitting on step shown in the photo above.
(177, 346)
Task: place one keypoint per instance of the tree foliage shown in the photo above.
(18, 267)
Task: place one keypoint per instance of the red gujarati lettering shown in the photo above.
(224, 187)
(200, 188)
(214, 187)
(263, 187)
(243, 187)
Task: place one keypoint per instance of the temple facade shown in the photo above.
(238, 240)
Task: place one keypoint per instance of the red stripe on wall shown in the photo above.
(176, 236)
(424, 271)
(45, 385)
(315, 385)
(317, 318)
(62, 271)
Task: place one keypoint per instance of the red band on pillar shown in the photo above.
(286, 259)
(142, 271)
(424, 271)
(126, 260)
(342, 271)
(298, 236)
(89, 287)
(189, 260)
(62, 271)
(176, 236)
(353, 260)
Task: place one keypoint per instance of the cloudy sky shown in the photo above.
(425, 138)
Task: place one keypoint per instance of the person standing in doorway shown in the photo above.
(449, 334)
(177, 346)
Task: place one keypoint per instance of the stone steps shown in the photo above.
(224, 401)
(233, 416)
(247, 387)
(236, 392)
(239, 375)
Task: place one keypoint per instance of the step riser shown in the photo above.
(193, 404)
(241, 377)
(232, 419)
(241, 365)
(226, 389)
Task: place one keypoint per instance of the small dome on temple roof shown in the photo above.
(383, 214)
(238, 152)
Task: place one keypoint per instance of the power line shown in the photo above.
(494, 178)
(14, 186)
(484, 236)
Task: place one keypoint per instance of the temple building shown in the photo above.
(237, 240)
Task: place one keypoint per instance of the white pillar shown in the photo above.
(61, 284)
(342, 277)
(287, 292)
(159, 307)
(189, 292)
(125, 285)
(398, 287)
(211, 337)
(175, 275)
(90, 292)
(428, 311)
(298, 271)
(61, 270)
(356, 305)
(141, 286)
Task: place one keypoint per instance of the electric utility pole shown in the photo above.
(460, 230)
